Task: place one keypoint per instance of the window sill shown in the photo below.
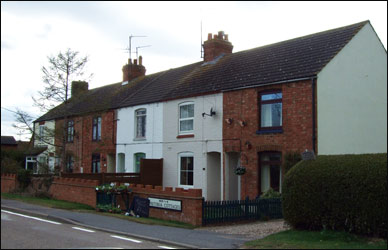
(270, 131)
(140, 139)
(185, 136)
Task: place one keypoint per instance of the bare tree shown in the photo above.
(62, 69)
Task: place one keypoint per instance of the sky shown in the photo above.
(32, 31)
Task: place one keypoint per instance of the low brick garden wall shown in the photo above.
(8, 183)
(74, 190)
(84, 191)
(191, 201)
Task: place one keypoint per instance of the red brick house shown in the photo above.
(90, 127)
(324, 92)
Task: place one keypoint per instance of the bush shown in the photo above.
(24, 177)
(270, 194)
(342, 192)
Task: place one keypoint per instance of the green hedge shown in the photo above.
(339, 192)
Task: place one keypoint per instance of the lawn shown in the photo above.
(295, 239)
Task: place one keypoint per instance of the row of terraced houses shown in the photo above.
(325, 92)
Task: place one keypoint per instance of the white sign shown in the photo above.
(166, 204)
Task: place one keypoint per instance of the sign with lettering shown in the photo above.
(166, 204)
(140, 206)
(308, 155)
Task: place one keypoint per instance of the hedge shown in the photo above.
(338, 192)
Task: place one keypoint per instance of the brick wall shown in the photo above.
(242, 105)
(191, 202)
(8, 183)
(74, 190)
(83, 146)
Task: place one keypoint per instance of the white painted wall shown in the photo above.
(127, 143)
(352, 98)
(48, 141)
(207, 138)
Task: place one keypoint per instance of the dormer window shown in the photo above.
(186, 118)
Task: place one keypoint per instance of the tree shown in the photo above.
(61, 70)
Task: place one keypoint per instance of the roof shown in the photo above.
(302, 57)
(8, 140)
(35, 150)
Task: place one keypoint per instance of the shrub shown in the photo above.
(342, 192)
(270, 194)
(24, 177)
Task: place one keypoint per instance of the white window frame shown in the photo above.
(185, 119)
(145, 123)
(41, 132)
(180, 155)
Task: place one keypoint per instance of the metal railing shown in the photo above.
(232, 211)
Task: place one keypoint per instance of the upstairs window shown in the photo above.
(97, 128)
(70, 131)
(140, 123)
(270, 110)
(186, 118)
(41, 133)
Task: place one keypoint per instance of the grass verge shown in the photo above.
(326, 239)
(48, 202)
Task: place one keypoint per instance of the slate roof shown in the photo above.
(302, 57)
(8, 140)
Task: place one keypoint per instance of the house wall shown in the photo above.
(297, 124)
(48, 141)
(207, 137)
(83, 146)
(352, 98)
(128, 145)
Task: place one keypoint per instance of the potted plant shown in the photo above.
(240, 170)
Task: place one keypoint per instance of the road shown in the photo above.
(20, 231)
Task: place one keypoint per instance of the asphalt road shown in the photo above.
(20, 231)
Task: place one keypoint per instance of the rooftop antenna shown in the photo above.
(201, 41)
(130, 39)
(140, 47)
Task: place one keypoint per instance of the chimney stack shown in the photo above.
(78, 88)
(131, 71)
(213, 47)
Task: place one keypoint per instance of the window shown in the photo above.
(96, 163)
(97, 128)
(186, 118)
(186, 169)
(271, 173)
(69, 164)
(270, 110)
(137, 158)
(70, 131)
(140, 123)
(41, 132)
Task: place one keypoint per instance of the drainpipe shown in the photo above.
(313, 81)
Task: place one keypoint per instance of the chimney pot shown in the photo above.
(209, 36)
(214, 47)
(140, 60)
(135, 61)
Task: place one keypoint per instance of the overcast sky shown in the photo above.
(31, 31)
